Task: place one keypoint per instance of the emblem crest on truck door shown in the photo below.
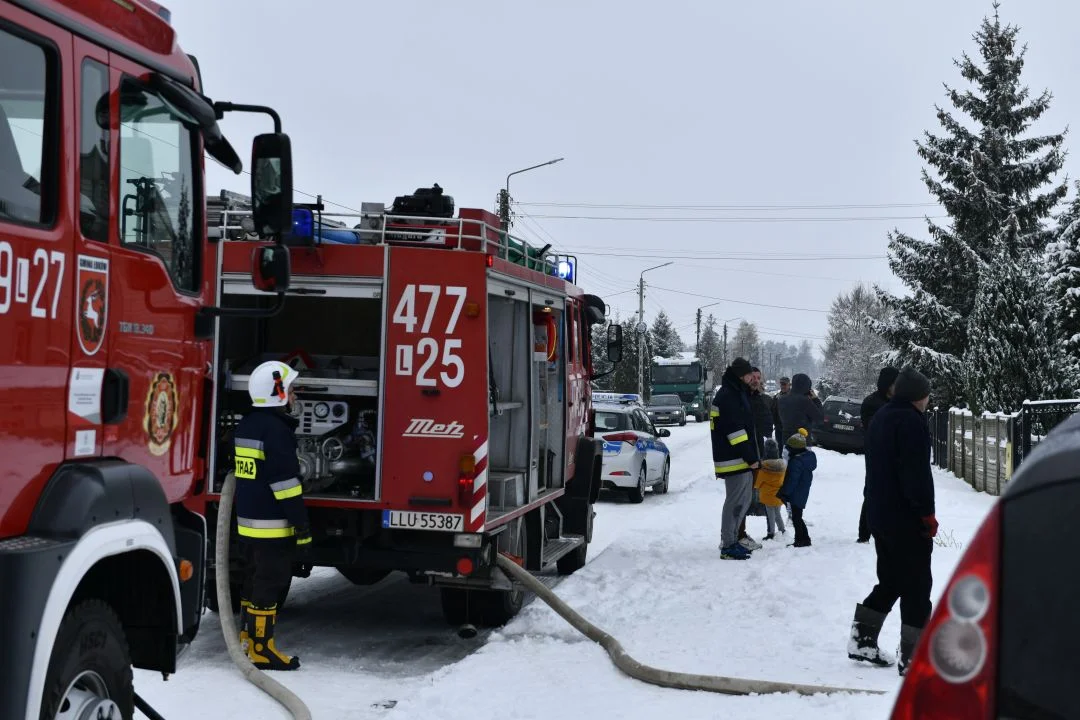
(161, 413)
(91, 312)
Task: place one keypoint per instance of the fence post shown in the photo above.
(986, 459)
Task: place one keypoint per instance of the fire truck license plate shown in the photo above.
(408, 520)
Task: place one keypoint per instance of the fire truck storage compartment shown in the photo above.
(526, 438)
(338, 338)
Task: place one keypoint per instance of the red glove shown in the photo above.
(931, 524)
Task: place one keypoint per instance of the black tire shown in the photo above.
(682, 422)
(362, 576)
(235, 591)
(90, 659)
(637, 493)
(211, 594)
(662, 487)
(454, 607)
(575, 560)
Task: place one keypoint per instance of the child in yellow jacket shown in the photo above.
(767, 481)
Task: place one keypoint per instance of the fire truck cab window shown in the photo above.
(94, 152)
(158, 188)
(25, 121)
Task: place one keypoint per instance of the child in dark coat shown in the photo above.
(796, 489)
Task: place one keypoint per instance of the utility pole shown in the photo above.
(726, 363)
(641, 336)
(504, 208)
(642, 327)
(697, 341)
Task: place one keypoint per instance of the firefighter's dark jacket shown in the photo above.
(734, 438)
(269, 496)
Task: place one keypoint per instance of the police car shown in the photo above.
(635, 458)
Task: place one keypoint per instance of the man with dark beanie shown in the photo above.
(900, 510)
(870, 405)
(735, 452)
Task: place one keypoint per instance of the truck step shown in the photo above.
(555, 549)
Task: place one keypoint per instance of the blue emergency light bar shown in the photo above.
(565, 268)
(617, 398)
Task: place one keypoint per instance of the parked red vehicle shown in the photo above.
(105, 288)
(1002, 641)
(444, 397)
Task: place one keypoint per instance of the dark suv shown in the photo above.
(842, 427)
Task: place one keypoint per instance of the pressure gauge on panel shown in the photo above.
(321, 410)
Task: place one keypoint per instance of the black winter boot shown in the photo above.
(863, 643)
(909, 638)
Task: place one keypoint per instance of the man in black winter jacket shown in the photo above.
(901, 513)
(735, 453)
(870, 405)
(800, 408)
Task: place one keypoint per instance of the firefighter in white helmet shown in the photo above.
(271, 518)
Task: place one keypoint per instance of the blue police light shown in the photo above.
(303, 223)
(565, 270)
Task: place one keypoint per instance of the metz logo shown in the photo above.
(426, 428)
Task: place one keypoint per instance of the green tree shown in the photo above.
(986, 169)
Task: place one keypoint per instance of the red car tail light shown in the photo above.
(622, 437)
(954, 670)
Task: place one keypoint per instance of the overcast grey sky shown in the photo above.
(734, 104)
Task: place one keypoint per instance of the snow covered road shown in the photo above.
(655, 580)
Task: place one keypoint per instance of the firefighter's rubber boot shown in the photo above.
(262, 650)
(909, 638)
(863, 643)
(245, 630)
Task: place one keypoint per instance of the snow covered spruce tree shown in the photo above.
(1063, 259)
(854, 351)
(1011, 355)
(665, 340)
(986, 169)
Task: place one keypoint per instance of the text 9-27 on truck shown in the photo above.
(107, 284)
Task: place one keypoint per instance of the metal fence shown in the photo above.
(981, 449)
(1037, 419)
(985, 451)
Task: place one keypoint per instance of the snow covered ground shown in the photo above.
(655, 580)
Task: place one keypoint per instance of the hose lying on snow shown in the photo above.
(255, 676)
(655, 676)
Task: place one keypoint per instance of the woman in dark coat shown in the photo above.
(800, 408)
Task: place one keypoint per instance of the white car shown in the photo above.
(635, 458)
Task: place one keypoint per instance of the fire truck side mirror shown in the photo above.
(270, 268)
(614, 343)
(271, 184)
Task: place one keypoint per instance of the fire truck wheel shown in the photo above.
(575, 559)
(211, 594)
(362, 576)
(637, 493)
(90, 669)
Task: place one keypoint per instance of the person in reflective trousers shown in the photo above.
(271, 518)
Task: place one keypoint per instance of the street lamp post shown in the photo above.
(642, 327)
(504, 195)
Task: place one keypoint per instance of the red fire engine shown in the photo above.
(444, 396)
(105, 278)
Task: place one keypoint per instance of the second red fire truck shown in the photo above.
(444, 397)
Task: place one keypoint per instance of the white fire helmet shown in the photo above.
(269, 384)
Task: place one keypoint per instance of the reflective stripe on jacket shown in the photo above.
(731, 422)
(269, 495)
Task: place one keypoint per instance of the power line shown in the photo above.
(743, 219)
(730, 206)
(662, 254)
(738, 302)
